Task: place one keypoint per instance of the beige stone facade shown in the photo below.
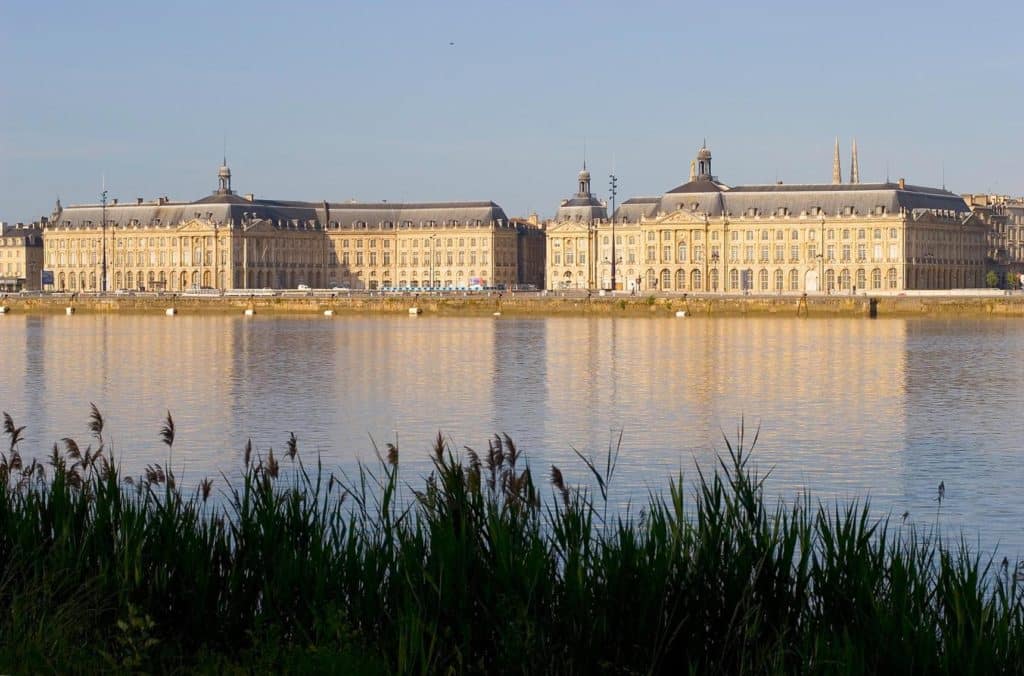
(707, 237)
(1004, 216)
(229, 242)
(21, 258)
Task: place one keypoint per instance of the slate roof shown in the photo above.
(230, 209)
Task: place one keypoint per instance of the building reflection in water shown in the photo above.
(846, 407)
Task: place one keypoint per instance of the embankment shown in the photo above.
(509, 304)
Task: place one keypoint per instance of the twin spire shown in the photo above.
(837, 172)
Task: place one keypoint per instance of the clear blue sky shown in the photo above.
(371, 101)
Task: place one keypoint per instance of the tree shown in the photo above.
(991, 279)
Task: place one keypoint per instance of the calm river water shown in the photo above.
(846, 407)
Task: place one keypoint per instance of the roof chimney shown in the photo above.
(138, 200)
(902, 183)
(114, 201)
(249, 197)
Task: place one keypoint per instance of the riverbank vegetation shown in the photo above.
(485, 565)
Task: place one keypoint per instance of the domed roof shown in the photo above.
(224, 171)
(584, 175)
(704, 153)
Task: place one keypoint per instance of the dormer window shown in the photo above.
(751, 212)
(847, 211)
(782, 211)
(880, 210)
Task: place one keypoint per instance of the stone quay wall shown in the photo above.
(530, 304)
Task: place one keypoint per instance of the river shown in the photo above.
(846, 408)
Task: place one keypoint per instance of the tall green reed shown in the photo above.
(478, 568)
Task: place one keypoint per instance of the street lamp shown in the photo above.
(103, 217)
(613, 189)
(714, 268)
(431, 254)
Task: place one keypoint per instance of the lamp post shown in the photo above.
(103, 217)
(431, 254)
(714, 268)
(613, 189)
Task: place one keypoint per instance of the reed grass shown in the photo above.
(481, 567)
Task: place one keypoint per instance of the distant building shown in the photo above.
(21, 257)
(228, 241)
(707, 236)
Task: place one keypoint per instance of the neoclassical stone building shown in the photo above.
(21, 257)
(228, 241)
(705, 236)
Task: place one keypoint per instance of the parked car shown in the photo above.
(303, 287)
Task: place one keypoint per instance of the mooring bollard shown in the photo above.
(4, 309)
(69, 310)
(328, 313)
(413, 311)
(170, 312)
(249, 312)
(680, 313)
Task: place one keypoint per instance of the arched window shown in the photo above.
(71, 282)
(778, 280)
(892, 278)
(762, 277)
(92, 281)
(195, 278)
(60, 282)
(862, 280)
(652, 280)
(734, 279)
(697, 282)
(666, 279)
(794, 280)
(876, 279)
(682, 252)
(81, 281)
(184, 280)
(844, 280)
(680, 280)
(713, 278)
(830, 280)
(117, 281)
(152, 278)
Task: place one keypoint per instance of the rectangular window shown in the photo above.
(650, 253)
(831, 252)
(846, 253)
(359, 258)
(666, 253)
(749, 256)
(764, 253)
(812, 251)
(794, 253)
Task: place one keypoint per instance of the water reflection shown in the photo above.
(846, 407)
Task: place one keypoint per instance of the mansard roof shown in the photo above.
(797, 199)
(234, 209)
(700, 185)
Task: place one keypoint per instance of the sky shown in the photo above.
(480, 100)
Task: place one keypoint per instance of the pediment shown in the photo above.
(679, 217)
(568, 228)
